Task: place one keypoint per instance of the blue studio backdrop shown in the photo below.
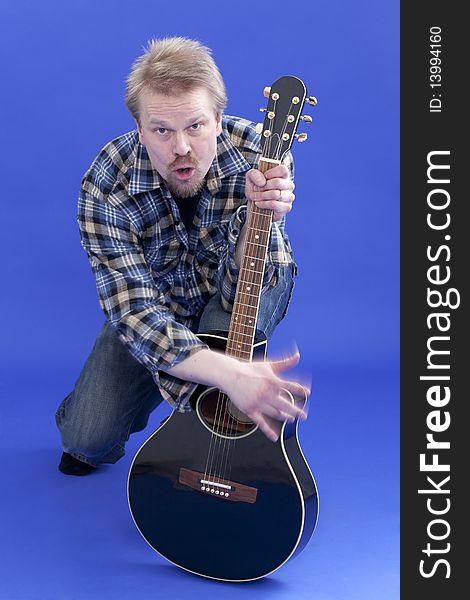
(64, 65)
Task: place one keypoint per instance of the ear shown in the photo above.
(141, 133)
(218, 120)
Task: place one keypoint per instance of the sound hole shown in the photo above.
(221, 416)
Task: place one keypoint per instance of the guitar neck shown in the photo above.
(242, 330)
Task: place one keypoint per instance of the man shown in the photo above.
(161, 214)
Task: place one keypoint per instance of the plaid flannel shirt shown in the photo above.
(153, 276)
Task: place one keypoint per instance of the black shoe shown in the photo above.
(72, 466)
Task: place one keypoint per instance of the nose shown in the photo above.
(181, 144)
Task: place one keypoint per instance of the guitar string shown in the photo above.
(228, 426)
(217, 455)
(259, 217)
(217, 450)
(266, 215)
(231, 422)
(230, 440)
(213, 440)
(222, 427)
(212, 471)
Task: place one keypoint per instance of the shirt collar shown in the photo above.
(228, 161)
(143, 176)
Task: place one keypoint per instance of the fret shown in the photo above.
(261, 221)
(246, 331)
(249, 282)
(245, 326)
(243, 302)
(250, 286)
(260, 230)
(250, 259)
(247, 289)
(245, 272)
(239, 343)
(237, 316)
(239, 346)
(253, 237)
(248, 305)
(260, 213)
(248, 294)
(256, 244)
(249, 335)
(247, 269)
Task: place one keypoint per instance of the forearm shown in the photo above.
(208, 367)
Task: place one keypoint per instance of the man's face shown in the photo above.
(180, 134)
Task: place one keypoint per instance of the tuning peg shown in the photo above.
(306, 118)
(312, 100)
(259, 128)
(267, 91)
(263, 110)
(301, 137)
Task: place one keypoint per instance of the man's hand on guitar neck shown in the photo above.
(273, 189)
(254, 387)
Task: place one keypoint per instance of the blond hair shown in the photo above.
(174, 65)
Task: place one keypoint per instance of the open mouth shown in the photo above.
(183, 173)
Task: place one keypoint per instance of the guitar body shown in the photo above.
(208, 534)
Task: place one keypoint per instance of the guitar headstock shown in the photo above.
(286, 99)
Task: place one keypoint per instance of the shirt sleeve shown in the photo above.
(128, 294)
(279, 252)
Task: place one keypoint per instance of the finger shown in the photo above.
(278, 195)
(279, 184)
(280, 413)
(286, 403)
(285, 363)
(280, 209)
(269, 430)
(256, 178)
(277, 171)
(296, 389)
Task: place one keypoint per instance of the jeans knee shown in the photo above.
(91, 440)
(275, 301)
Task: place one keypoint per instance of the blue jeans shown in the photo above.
(115, 394)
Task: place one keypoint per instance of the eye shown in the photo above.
(195, 126)
(161, 130)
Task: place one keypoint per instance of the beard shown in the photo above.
(186, 189)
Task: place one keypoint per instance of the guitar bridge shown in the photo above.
(226, 490)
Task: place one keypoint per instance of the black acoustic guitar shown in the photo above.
(208, 491)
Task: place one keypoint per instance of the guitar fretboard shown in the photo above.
(242, 330)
